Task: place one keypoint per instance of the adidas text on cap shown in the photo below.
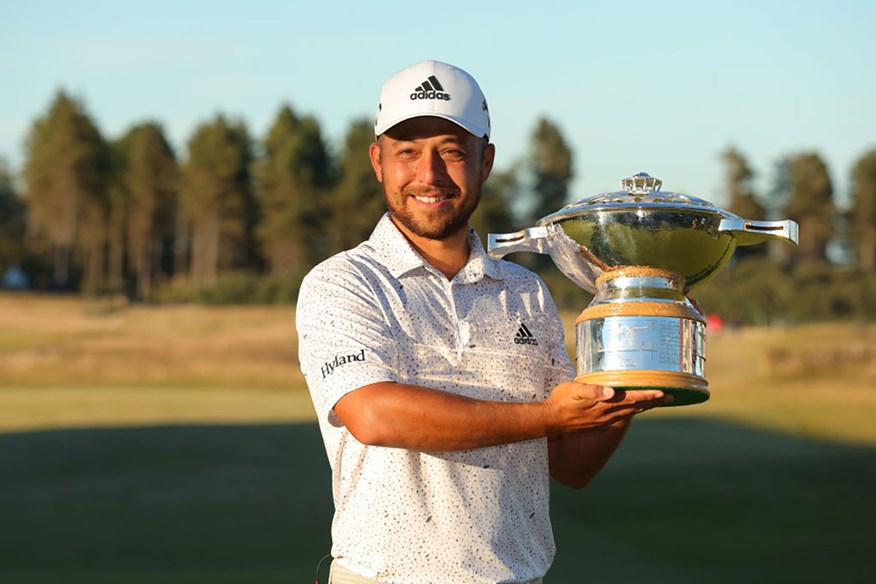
(432, 88)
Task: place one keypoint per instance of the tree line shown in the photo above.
(242, 218)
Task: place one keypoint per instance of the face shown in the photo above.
(432, 172)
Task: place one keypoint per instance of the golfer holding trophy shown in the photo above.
(439, 374)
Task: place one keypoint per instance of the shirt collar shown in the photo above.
(397, 253)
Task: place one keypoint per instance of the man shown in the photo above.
(440, 429)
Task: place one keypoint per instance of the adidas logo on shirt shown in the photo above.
(524, 336)
(430, 89)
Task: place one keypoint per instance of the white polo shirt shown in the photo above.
(380, 312)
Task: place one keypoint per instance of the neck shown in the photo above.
(448, 255)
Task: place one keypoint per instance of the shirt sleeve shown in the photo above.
(344, 341)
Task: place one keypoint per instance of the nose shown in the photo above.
(432, 170)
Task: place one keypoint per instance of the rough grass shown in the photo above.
(68, 362)
(58, 341)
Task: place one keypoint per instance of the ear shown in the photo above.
(374, 154)
(487, 162)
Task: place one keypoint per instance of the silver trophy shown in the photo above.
(639, 251)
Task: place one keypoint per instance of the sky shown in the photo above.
(662, 87)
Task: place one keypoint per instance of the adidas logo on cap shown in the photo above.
(430, 89)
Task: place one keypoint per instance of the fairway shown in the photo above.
(122, 464)
(684, 500)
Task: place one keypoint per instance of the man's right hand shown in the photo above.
(575, 407)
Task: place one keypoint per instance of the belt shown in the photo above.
(341, 575)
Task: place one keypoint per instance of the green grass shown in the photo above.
(702, 500)
(164, 504)
(684, 500)
(32, 408)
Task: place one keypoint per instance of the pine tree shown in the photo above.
(738, 176)
(863, 212)
(152, 181)
(66, 170)
(293, 179)
(117, 218)
(810, 204)
(742, 201)
(13, 222)
(357, 202)
(216, 203)
(493, 215)
(552, 168)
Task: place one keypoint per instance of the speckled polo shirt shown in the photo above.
(380, 312)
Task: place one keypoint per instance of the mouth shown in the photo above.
(431, 200)
(432, 197)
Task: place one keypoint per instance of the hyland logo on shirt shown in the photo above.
(524, 336)
(339, 360)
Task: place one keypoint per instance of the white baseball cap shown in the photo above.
(432, 88)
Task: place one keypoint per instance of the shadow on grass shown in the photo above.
(167, 504)
(684, 500)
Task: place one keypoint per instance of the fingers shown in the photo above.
(618, 404)
(633, 396)
(623, 397)
(594, 392)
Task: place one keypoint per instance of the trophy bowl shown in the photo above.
(639, 251)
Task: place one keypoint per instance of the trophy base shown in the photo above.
(687, 389)
(641, 332)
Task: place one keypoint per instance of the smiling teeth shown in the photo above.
(430, 199)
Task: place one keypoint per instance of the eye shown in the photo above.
(405, 153)
(453, 154)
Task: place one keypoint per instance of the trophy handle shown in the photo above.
(748, 232)
(532, 240)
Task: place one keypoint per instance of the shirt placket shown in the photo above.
(461, 326)
(454, 326)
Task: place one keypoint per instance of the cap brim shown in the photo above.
(470, 128)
